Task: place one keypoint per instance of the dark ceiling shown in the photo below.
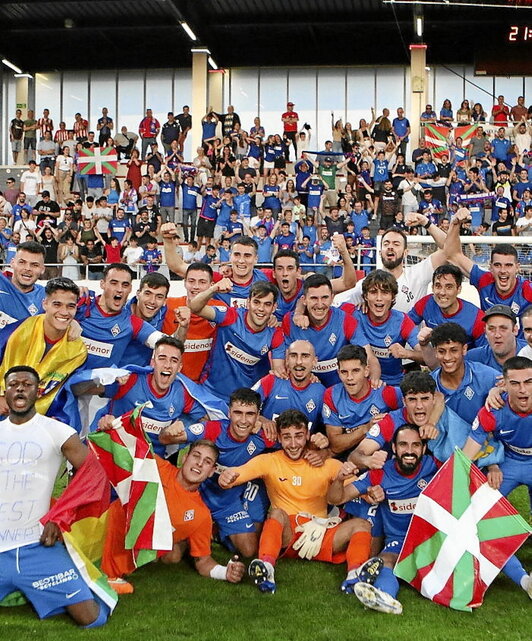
(146, 33)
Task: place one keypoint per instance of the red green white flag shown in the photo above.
(461, 535)
(436, 139)
(465, 132)
(98, 161)
(127, 456)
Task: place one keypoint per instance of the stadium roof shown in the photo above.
(46, 35)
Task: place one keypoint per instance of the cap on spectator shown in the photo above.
(328, 159)
(500, 310)
(289, 104)
(45, 193)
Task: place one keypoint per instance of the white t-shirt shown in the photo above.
(526, 351)
(30, 458)
(413, 285)
(521, 224)
(409, 198)
(30, 180)
(132, 255)
(64, 163)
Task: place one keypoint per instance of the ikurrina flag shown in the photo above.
(436, 140)
(461, 534)
(98, 161)
(465, 132)
(127, 456)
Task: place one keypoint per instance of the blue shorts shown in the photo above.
(234, 520)
(46, 576)
(364, 510)
(256, 500)
(514, 474)
(391, 545)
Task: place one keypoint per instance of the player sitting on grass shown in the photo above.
(298, 524)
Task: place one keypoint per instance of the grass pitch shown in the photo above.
(173, 603)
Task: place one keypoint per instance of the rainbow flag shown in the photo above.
(461, 535)
(126, 454)
(98, 161)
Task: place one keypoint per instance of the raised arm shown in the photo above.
(199, 304)
(349, 274)
(452, 246)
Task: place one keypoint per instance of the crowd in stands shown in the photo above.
(272, 187)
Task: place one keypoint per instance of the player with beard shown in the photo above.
(396, 486)
(502, 285)
(444, 306)
(297, 523)
(412, 280)
(107, 326)
(190, 518)
(299, 391)
(422, 407)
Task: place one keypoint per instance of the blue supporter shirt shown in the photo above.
(107, 336)
(280, 394)
(189, 196)
(239, 355)
(467, 399)
(397, 328)
(484, 354)
(167, 194)
(17, 306)
(401, 494)
(118, 228)
(340, 329)
(164, 410)
(468, 316)
(137, 353)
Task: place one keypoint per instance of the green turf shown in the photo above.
(173, 602)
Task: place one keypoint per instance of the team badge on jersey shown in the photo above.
(375, 430)
(326, 411)
(196, 429)
(469, 393)
(422, 484)
(333, 338)
(475, 424)
(251, 448)
(115, 329)
(171, 410)
(189, 515)
(264, 350)
(388, 340)
(515, 308)
(33, 310)
(374, 410)
(310, 405)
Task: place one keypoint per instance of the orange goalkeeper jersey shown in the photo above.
(293, 486)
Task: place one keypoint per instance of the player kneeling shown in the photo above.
(297, 524)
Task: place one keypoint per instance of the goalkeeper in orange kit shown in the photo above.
(297, 524)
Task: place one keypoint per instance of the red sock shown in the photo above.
(271, 541)
(358, 549)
